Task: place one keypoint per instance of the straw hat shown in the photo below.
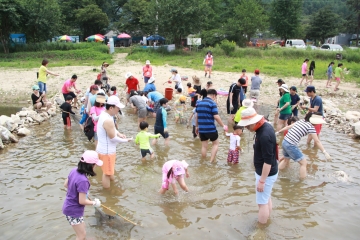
(106, 64)
(147, 62)
(284, 87)
(128, 74)
(247, 103)
(249, 116)
(100, 99)
(196, 79)
(316, 119)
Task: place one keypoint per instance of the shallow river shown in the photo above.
(220, 205)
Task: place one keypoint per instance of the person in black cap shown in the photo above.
(316, 106)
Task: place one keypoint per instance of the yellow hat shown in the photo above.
(182, 98)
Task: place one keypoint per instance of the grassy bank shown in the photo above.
(274, 62)
(59, 54)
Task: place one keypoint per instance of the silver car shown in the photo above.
(331, 47)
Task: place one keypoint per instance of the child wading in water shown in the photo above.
(174, 170)
(142, 139)
(78, 185)
(66, 110)
(329, 73)
(192, 120)
(233, 155)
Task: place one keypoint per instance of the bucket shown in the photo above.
(168, 93)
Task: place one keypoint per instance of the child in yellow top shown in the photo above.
(191, 90)
(142, 139)
(246, 103)
(179, 105)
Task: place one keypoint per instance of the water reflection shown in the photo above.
(220, 205)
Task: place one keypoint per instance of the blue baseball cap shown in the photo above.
(310, 89)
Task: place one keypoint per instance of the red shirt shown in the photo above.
(132, 84)
(68, 84)
(147, 71)
(246, 78)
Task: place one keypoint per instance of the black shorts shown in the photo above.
(66, 119)
(69, 94)
(206, 136)
(146, 151)
(304, 75)
(161, 131)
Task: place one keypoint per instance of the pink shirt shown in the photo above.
(147, 71)
(303, 68)
(68, 84)
(97, 111)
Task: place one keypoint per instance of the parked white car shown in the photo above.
(296, 43)
(331, 47)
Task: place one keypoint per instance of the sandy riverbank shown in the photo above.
(16, 83)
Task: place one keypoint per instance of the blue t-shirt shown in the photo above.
(160, 120)
(330, 70)
(150, 87)
(155, 96)
(294, 99)
(206, 109)
(317, 101)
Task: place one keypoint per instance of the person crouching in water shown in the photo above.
(78, 185)
(174, 170)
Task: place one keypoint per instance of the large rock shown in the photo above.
(356, 128)
(1, 144)
(3, 120)
(6, 135)
(22, 113)
(37, 118)
(23, 131)
(17, 120)
(352, 116)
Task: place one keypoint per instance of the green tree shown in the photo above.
(42, 19)
(91, 20)
(249, 17)
(10, 20)
(323, 24)
(285, 18)
(134, 17)
(178, 18)
(354, 20)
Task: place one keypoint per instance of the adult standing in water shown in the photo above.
(147, 71)
(108, 138)
(208, 62)
(42, 78)
(266, 166)
(207, 113)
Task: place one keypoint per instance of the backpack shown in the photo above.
(89, 128)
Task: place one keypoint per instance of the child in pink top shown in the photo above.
(233, 155)
(174, 170)
(304, 71)
(95, 112)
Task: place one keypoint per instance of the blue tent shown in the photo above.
(18, 38)
(155, 38)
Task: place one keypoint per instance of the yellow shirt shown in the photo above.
(42, 74)
(143, 137)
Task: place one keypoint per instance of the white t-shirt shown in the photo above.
(234, 141)
(177, 79)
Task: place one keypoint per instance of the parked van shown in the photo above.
(331, 47)
(296, 43)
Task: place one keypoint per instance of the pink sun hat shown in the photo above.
(91, 157)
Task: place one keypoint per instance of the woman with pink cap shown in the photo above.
(78, 185)
(174, 170)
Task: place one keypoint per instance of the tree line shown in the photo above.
(212, 20)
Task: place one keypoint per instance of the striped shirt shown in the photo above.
(299, 130)
(206, 109)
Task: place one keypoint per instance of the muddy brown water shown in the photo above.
(220, 204)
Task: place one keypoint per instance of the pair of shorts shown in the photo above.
(208, 66)
(206, 136)
(42, 87)
(263, 197)
(233, 156)
(304, 74)
(291, 151)
(69, 94)
(66, 121)
(156, 106)
(127, 96)
(194, 131)
(146, 79)
(329, 77)
(74, 221)
(318, 128)
(95, 136)
(295, 112)
(179, 114)
(161, 131)
(108, 166)
(255, 93)
(234, 110)
(245, 89)
(142, 113)
(144, 152)
(337, 79)
(284, 116)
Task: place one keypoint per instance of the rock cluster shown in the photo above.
(18, 124)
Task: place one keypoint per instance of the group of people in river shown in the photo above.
(102, 105)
